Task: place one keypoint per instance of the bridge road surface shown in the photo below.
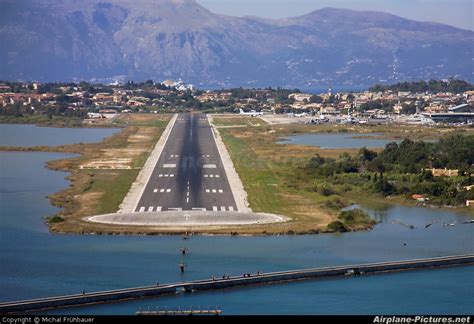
(189, 174)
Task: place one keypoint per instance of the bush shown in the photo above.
(337, 226)
(327, 191)
(354, 217)
(55, 219)
(334, 203)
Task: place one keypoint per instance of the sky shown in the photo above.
(458, 13)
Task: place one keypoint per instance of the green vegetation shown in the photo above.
(401, 169)
(452, 85)
(351, 220)
(55, 219)
(260, 183)
(100, 188)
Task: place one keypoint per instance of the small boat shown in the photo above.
(471, 221)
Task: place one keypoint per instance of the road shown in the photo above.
(189, 174)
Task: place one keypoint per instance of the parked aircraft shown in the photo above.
(252, 113)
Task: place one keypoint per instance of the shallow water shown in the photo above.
(31, 135)
(35, 263)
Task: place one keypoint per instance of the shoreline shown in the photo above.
(58, 122)
(71, 165)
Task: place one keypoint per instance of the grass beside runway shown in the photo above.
(273, 178)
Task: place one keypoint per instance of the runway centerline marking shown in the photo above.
(169, 165)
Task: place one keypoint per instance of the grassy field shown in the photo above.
(99, 177)
(271, 173)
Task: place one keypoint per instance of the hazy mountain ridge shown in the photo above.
(61, 40)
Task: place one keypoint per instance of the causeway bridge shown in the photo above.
(233, 281)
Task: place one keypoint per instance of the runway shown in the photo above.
(189, 174)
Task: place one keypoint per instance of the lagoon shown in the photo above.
(32, 135)
(36, 263)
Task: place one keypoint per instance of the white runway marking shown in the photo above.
(222, 208)
(162, 190)
(158, 208)
(214, 190)
(214, 208)
(212, 176)
(155, 190)
(176, 209)
(169, 165)
(208, 166)
(221, 191)
(231, 208)
(142, 209)
(168, 190)
(207, 190)
(150, 209)
(200, 209)
(174, 155)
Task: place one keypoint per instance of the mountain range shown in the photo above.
(97, 40)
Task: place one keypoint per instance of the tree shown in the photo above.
(315, 99)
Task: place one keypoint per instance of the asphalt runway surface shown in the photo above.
(189, 174)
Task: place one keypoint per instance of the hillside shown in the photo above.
(125, 39)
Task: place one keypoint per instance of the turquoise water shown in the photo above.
(35, 263)
(337, 140)
(31, 135)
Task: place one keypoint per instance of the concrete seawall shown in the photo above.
(239, 281)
